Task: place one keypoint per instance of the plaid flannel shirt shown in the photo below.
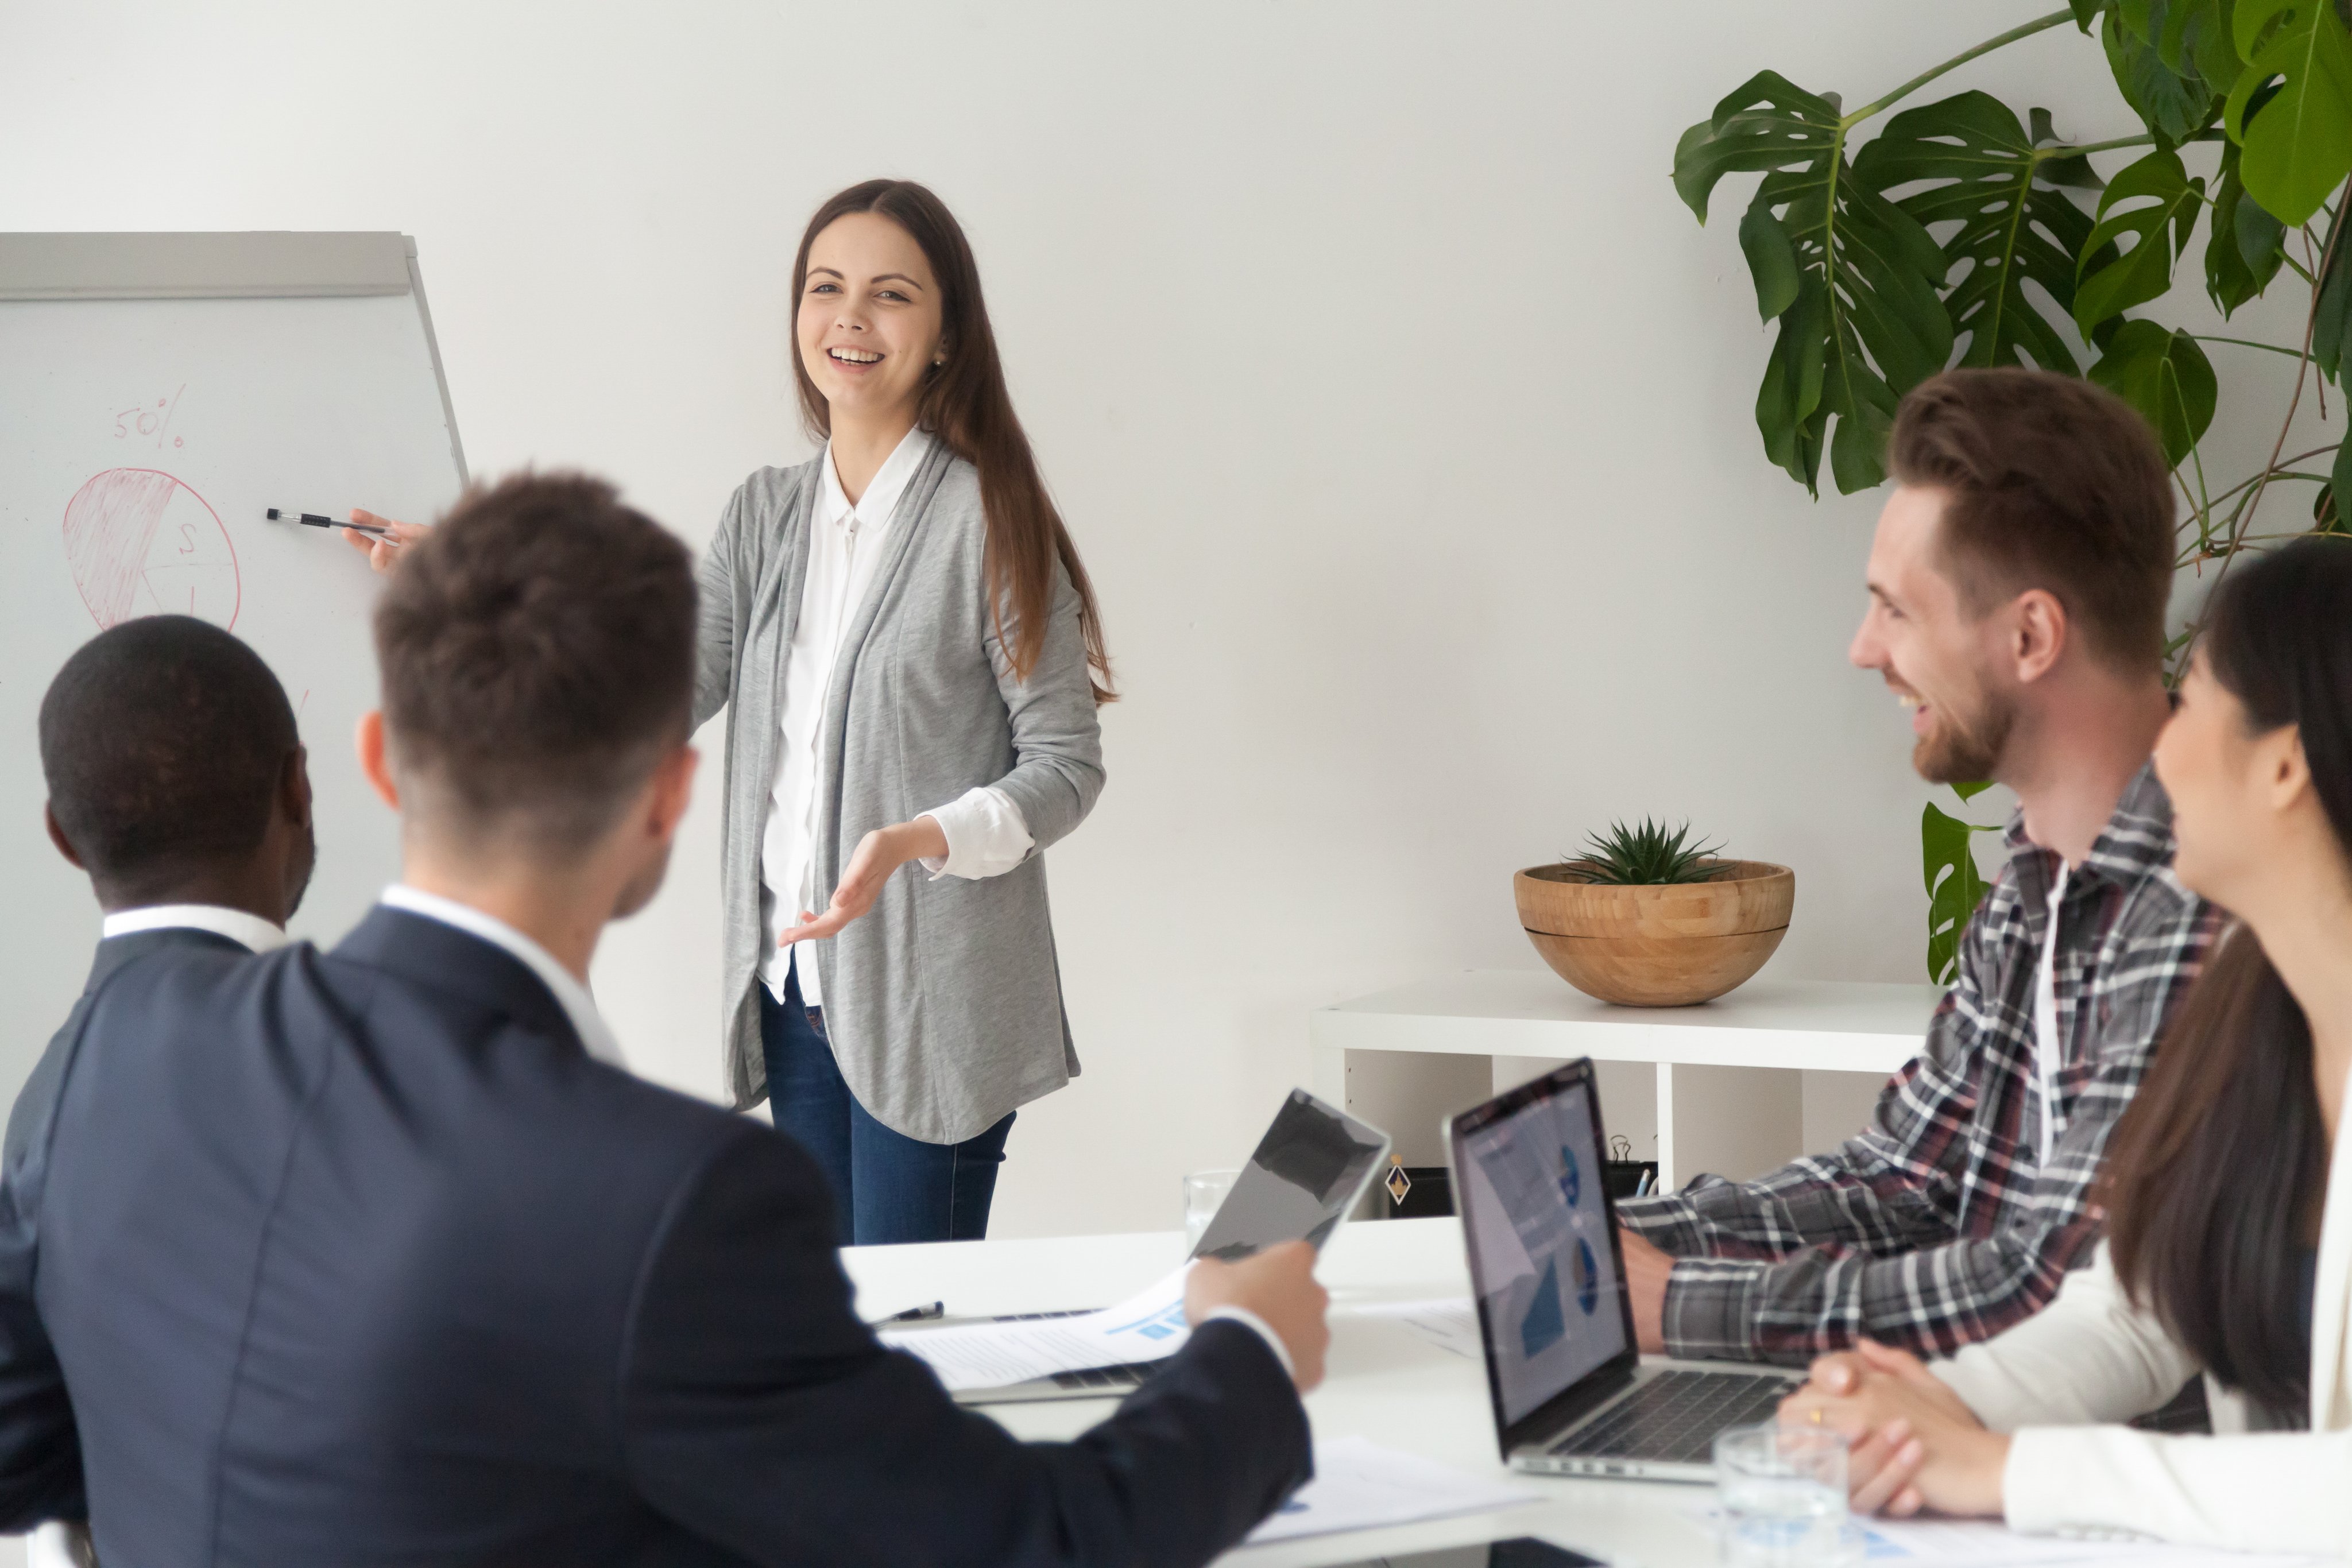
(1939, 1226)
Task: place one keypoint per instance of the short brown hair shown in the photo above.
(538, 656)
(2055, 484)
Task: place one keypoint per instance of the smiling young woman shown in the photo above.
(910, 659)
(910, 654)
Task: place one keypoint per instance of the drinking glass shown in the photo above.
(1781, 1490)
(1203, 1191)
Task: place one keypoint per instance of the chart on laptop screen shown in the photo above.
(1546, 1273)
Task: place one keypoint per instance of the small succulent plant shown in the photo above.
(1646, 855)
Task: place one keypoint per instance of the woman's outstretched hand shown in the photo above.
(1915, 1444)
(382, 554)
(878, 853)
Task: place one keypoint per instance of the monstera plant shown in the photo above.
(1891, 242)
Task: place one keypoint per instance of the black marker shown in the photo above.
(923, 1313)
(316, 521)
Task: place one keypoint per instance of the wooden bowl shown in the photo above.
(1663, 945)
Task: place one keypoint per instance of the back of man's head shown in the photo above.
(537, 651)
(164, 742)
(2052, 483)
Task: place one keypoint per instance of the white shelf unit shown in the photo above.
(1729, 1076)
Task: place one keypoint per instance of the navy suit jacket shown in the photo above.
(27, 1116)
(358, 1257)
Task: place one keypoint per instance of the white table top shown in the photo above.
(1843, 1025)
(1383, 1382)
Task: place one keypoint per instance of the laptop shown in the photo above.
(1572, 1393)
(1307, 1172)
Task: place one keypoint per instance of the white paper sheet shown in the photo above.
(1449, 1322)
(1147, 1326)
(1988, 1543)
(1983, 1544)
(1360, 1485)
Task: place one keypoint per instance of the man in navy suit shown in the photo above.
(373, 1257)
(176, 781)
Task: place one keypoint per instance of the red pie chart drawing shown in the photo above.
(143, 543)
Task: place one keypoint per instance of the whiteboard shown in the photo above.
(158, 394)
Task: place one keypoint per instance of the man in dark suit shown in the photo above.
(176, 781)
(394, 1269)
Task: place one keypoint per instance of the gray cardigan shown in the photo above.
(944, 1002)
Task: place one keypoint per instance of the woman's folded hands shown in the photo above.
(1912, 1444)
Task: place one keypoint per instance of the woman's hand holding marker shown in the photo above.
(382, 554)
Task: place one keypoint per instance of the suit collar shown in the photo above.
(114, 952)
(441, 958)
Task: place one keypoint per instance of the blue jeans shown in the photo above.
(887, 1186)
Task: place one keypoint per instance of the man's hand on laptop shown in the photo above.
(1278, 1287)
(1646, 1271)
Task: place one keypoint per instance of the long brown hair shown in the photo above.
(965, 403)
(2215, 1168)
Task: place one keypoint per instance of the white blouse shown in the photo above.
(986, 835)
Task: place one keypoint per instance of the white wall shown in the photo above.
(1400, 410)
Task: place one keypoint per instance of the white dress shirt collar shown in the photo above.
(578, 1006)
(247, 931)
(875, 508)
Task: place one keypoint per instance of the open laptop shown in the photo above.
(1572, 1393)
(1307, 1173)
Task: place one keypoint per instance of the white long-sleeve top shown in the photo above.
(985, 833)
(2091, 1356)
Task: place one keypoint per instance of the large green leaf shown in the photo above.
(1954, 887)
(2166, 377)
(1980, 169)
(2166, 91)
(2192, 36)
(1766, 122)
(2298, 145)
(1851, 278)
(2244, 244)
(2153, 203)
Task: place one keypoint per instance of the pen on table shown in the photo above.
(316, 521)
(927, 1310)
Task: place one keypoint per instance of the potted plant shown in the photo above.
(1647, 919)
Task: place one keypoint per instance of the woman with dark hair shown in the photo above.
(2230, 1249)
(911, 658)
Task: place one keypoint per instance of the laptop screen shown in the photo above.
(1541, 1258)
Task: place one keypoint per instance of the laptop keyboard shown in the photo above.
(1107, 1377)
(1673, 1418)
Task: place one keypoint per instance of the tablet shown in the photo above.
(1309, 1168)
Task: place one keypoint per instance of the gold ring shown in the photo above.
(1816, 1416)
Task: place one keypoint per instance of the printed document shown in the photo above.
(1360, 1485)
(1147, 1326)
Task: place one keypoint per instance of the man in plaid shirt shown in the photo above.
(2018, 584)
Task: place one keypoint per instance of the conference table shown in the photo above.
(1384, 1382)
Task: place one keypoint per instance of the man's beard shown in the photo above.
(1964, 748)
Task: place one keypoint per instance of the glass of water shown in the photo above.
(1781, 1490)
(1204, 1192)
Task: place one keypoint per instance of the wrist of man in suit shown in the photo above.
(1258, 1326)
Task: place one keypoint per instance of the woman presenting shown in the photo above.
(910, 654)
